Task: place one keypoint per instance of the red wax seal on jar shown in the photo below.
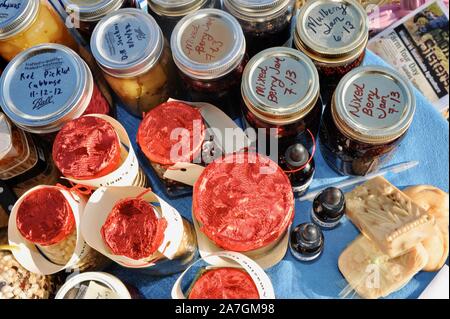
(133, 229)
(45, 217)
(243, 202)
(224, 283)
(98, 103)
(154, 135)
(87, 148)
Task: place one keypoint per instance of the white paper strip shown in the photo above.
(439, 286)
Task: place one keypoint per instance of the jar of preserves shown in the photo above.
(210, 52)
(266, 23)
(281, 94)
(129, 47)
(169, 12)
(334, 34)
(369, 115)
(26, 23)
(46, 86)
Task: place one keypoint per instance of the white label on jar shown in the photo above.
(10, 10)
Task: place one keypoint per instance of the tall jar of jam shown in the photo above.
(334, 34)
(210, 52)
(281, 94)
(369, 115)
(26, 23)
(46, 86)
(169, 12)
(129, 47)
(266, 23)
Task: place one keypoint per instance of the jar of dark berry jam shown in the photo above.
(266, 23)
(334, 34)
(210, 52)
(368, 117)
(281, 94)
(169, 12)
(46, 86)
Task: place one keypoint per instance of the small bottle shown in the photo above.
(306, 242)
(328, 207)
(300, 168)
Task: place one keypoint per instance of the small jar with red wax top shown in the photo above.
(58, 88)
(334, 34)
(155, 138)
(210, 52)
(244, 202)
(45, 218)
(365, 122)
(223, 283)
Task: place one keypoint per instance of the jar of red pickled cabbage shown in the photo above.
(368, 117)
(46, 86)
(210, 52)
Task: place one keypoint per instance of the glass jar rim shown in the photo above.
(20, 20)
(175, 8)
(92, 11)
(255, 11)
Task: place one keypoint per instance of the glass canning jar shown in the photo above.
(334, 34)
(210, 52)
(26, 23)
(266, 23)
(46, 86)
(281, 94)
(168, 12)
(129, 47)
(369, 115)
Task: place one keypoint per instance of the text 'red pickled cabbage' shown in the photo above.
(224, 283)
(87, 148)
(45, 217)
(243, 202)
(132, 229)
(154, 135)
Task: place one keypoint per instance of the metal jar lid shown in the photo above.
(373, 105)
(280, 85)
(332, 30)
(127, 43)
(16, 15)
(44, 87)
(257, 10)
(92, 10)
(76, 288)
(6, 143)
(208, 44)
(175, 8)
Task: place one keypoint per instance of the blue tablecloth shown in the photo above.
(427, 142)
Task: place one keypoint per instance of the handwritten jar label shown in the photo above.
(10, 10)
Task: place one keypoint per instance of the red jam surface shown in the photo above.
(132, 229)
(87, 148)
(45, 217)
(154, 135)
(243, 202)
(98, 103)
(224, 283)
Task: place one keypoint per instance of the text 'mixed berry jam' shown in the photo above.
(334, 34)
(369, 115)
(266, 23)
(210, 52)
(46, 86)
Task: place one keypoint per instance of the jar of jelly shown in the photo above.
(169, 12)
(280, 92)
(46, 86)
(26, 23)
(369, 115)
(210, 52)
(129, 47)
(266, 23)
(334, 34)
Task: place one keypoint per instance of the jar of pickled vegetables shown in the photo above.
(369, 115)
(46, 86)
(334, 34)
(129, 47)
(26, 23)
(168, 12)
(210, 52)
(266, 23)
